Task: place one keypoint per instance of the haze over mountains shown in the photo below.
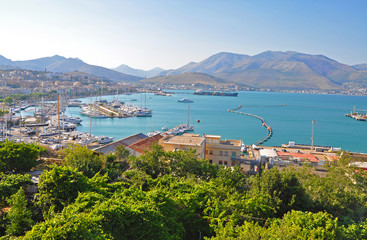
(61, 64)
(138, 72)
(270, 69)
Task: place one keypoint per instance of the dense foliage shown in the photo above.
(19, 157)
(82, 159)
(10, 184)
(174, 195)
(20, 218)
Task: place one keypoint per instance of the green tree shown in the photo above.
(2, 112)
(19, 216)
(8, 100)
(183, 163)
(232, 178)
(18, 156)
(153, 162)
(283, 189)
(83, 160)
(59, 187)
(341, 192)
(10, 184)
(305, 225)
(122, 153)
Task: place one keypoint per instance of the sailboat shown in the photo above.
(144, 111)
(188, 126)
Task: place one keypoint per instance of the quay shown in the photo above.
(107, 111)
(268, 128)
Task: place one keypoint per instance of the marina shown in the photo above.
(290, 120)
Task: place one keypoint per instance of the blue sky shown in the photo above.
(170, 33)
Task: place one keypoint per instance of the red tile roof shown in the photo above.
(309, 156)
(145, 144)
(111, 147)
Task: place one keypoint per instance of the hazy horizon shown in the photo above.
(170, 34)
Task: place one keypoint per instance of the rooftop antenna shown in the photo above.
(314, 122)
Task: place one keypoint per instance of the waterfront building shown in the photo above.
(210, 147)
(184, 142)
(222, 152)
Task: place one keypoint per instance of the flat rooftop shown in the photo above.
(213, 136)
(187, 140)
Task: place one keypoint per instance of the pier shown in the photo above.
(269, 129)
(107, 111)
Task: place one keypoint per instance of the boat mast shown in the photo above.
(188, 115)
(58, 117)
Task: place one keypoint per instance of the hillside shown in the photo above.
(277, 70)
(62, 64)
(362, 66)
(188, 78)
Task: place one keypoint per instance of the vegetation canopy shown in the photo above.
(174, 195)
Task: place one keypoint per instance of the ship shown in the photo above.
(185, 100)
(216, 93)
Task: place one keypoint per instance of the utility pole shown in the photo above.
(313, 130)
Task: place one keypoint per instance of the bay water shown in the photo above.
(289, 114)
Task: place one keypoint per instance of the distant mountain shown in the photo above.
(272, 69)
(220, 62)
(198, 79)
(138, 72)
(4, 61)
(62, 64)
(362, 66)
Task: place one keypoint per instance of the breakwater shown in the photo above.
(269, 129)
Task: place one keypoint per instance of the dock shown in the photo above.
(268, 128)
(107, 111)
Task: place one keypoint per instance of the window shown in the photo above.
(210, 161)
(225, 153)
(225, 163)
(211, 152)
(220, 162)
(220, 153)
(233, 154)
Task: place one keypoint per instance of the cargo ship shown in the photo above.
(216, 93)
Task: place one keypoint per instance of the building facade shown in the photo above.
(210, 147)
(184, 142)
(222, 152)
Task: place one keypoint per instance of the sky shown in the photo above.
(171, 33)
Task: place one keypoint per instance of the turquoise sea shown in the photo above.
(292, 122)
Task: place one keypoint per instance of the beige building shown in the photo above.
(211, 147)
(184, 142)
(222, 152)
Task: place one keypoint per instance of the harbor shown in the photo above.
(289, 116)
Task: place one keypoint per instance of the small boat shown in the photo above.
(105, 140)
(185, 100)
(164, 128)
(48, 134)
(144, 114)
(151, 134)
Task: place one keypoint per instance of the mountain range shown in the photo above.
(61, 64)
(191, 78)
(138, 72)
(270, 69)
